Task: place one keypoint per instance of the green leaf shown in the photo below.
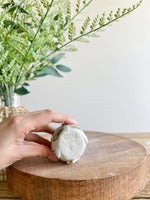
(49, 70)
(6, 5)
(52, 71)
(39, 75)
(28, 24)
(13, 8)
(26, 86)
(56, 17)
(27, 77)
(11, 23)
(22, 10)
(22, 91)
(63, 68)
(23, 28)
(57, 58)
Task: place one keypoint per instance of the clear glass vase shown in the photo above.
(10, 99)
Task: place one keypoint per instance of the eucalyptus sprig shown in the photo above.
(34, 34)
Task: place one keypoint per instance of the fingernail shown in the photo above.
(75, 122)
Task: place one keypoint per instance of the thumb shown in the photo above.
(37, 150)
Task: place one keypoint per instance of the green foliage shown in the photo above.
(38, 7)
(68, 11)
(84, 1)
(103, 19)
(78, 5)
(94, 22)
(48, 70)
(84, 39)
(85, 25)
(69, 47)
(24, 89)
(63, 68)
(35, 33)
(71, 31)
(45, 3)
(57, 58)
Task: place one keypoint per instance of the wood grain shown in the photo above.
(112, 167)
(142, 138)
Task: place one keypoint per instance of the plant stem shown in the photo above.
(78, 13)
(41, 23)
(16, 13)
(87, 33)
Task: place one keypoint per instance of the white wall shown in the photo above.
(109, 86)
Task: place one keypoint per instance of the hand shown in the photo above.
(16, 130)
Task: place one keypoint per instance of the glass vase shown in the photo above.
(10, 99)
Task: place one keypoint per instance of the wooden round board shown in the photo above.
(112, 168)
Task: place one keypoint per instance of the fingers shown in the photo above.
(38, 139)
(47, 116)
(37, 150)
(35, 120)
(46, 129)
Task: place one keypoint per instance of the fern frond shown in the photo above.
(51, 44)
(16, 57)
(94, 22)
(10, 72)
(71, 31)
(85, 40)
(34, 20)
(103, 22)
(78, 4)
(3, 59)
(61, 19)
(28, 40)
(71, 48)
(110, 16)
(18, 40)
(10, 66)
(38, 8)
(93, 35)
(61, 40)
(68, 11)
(85, 25)
(118, 12)
(17, 49)
(102, 19)
(26, 29)
(124, 11)
(45, 3)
